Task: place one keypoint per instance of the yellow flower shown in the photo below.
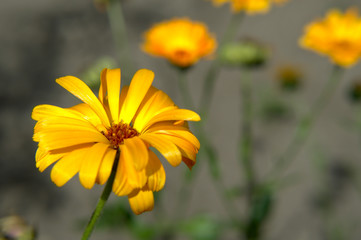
(181, 41)
(337, 36)
(249, 6)
(86, 138)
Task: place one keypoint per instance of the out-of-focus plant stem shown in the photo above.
(246, 133)
(103, 199)
(215, 67)
(118, 28)
(306, 123)
(183, 87)
(211, 155)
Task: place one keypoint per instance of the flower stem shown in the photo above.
(210, 153)
(184, 90)
(103, 199)
(305, 125)
(213, 72)
(246, 133)
(118, 28)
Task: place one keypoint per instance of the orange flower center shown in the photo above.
(118, 132)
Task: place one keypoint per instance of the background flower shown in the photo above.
(338, 36)
(249, 6)
(86, 138)
(179, 40)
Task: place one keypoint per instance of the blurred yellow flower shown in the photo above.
(181, 41)
(86, 138)
(249, 6)
(337, 36)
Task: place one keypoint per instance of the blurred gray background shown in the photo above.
(41, 40)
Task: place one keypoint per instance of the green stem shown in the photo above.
(184, 90)
(103, 199)
(246, 133)
(305, 125)
(118, 28)
(206, 149)
(213, 72)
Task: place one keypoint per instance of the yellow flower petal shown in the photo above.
(47, 160)
(61, 139)
(45, 111)
(178, 131)
(40, 154)
(79, 89)
(121, 186)
(168, 149)
(136, 179)
(173, 114)
(89, 115)
(61, 123)
(136, 150)
(106, 166)
(113, 87)
(127, 178)
(139, 86)
(58, 132)
(141, 201)
(338, 36)
(67, 167)
(155, 172)
(249, 6)
(185, 147)
(91, 163)
(157, 103)
(183, 47)
(103, 86)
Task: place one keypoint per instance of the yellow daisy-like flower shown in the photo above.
(249, 6)
(181, 41)
(86, 138)
(337, 36)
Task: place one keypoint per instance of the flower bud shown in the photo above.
(289, 77)
(246, 53)
(14, 227)
(354, 92)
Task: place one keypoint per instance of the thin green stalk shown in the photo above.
(184, 90)
(208, 150)
(101, 202)
(118, 28)
(246, 133)
(185, 191)
(305, 125)
(213, 72)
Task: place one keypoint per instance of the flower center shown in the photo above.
(118, 132)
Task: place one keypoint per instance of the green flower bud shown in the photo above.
(354, 92)
(245, 53)
(14, 227)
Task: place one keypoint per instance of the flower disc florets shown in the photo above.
(118, 132)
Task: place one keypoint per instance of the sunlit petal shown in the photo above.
(106, 166)
(79, 89)
(168, 149)
(141, 201)
(174, 114)
(157, 103)
(155, 172)
(67, 167)
(91, 163)
(45, 111)
(113, 87)
(139, 86)
(136, 150)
